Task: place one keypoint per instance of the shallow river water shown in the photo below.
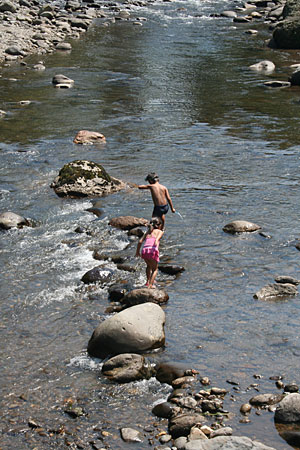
(173, 96)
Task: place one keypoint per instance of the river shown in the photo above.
(174, 96)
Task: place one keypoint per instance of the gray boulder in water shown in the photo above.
(12, 220)
(240, 226)
(276, 292)
(133, 330)
(288, 410)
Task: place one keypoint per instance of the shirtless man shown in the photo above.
(160, 196)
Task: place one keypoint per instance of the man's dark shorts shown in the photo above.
(160, 210)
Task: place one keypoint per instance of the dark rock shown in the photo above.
(294, 79)
(127, 367)
(7, 6)
(291, 388)
(163, 410)
(117, 291)
(61, 79)
(287, 279)
(168, 372)
(136, 232)
(181, 425)
(291, 437)
(15, 51)
(126, 268)
(212, 406)
(127, 222)
(98, 274)
(277, 84)
(170, 269)
(98, 212)
(144, 295)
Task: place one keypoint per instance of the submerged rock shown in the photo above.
(168, 372)
(170, 269)
(276, 292)
(127, 367)
(59, 80)
(89, 137)
(83, 178)
(133, 330)
(240, 226)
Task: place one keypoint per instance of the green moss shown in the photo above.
(70, 173)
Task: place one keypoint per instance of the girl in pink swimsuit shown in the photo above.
(150, 252)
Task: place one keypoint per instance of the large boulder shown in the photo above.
(240, 226)
(89, 137)
(287, 32)
(128, 222)
(276, 291)
(127, 367)
(144, 295)
(12, 220)
(83, 178)
(288, 410)
(226, 443)
(134, 330)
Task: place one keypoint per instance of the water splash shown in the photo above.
(179, 214)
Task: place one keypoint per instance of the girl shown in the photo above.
(150, 252)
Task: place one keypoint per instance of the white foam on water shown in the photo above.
(85, 362)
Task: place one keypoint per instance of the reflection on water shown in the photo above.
(173, 96)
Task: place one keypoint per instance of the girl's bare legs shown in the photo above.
(154, 270)
(148, 272)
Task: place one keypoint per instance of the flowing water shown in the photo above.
(173, 96)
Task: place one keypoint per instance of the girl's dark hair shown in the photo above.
(155, 223)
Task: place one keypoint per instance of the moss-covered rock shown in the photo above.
(83, 178)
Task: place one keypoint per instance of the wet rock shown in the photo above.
(245, 408)
(181, 381)
(240, 226)
(135, 329)
(224, 431)
(276, 292)
(180, 443)
(89, 137)
(79, 23)
(218, 391)
(10, 220)
(263, 66)
(98, 274)
(170, 269)
(131, 435)
(168, 372)
(196, 434)
(229, 14)
(127, 222)
(287, 32)
(126, 268)
(226, 442)
(212, 406)
(15, 51)
(83, 178)
(181, 424)
(143, 295)
(288, 410)
(63, 46)
(186, 402)
(277, 84)
(291, 388)
(62, 80)
(127, 367)
(287, 279)
(265, 399)
(118, 291)
(7, 6)
(205, 381)
(39, 67)
(136, 232)
(294, 79)
(164, 410)
(291, 437)
(97, 211)
(74, 411)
